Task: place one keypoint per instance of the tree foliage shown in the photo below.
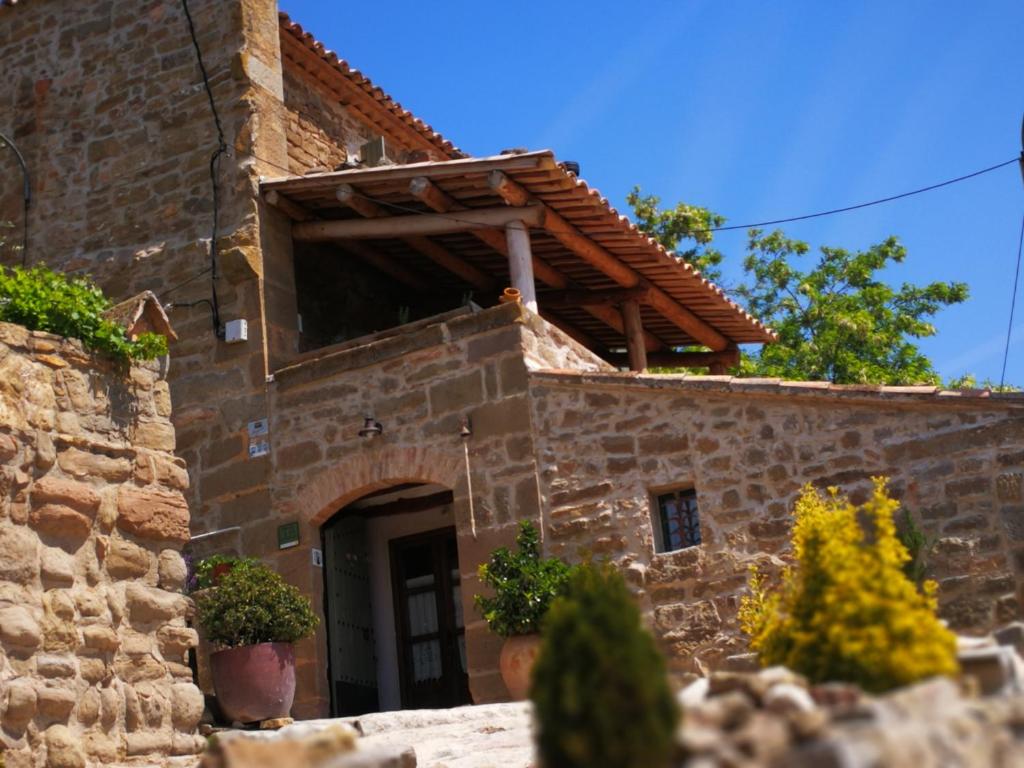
(670, 226)
(43, 300)
(524, 585)
(846, 610)
(600, 690)
(837, 318)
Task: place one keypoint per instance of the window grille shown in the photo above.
(679, 520)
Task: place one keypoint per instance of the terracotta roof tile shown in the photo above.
(364, 83)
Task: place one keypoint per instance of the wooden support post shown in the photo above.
(514, 194)
(520, 263)
(634, 335)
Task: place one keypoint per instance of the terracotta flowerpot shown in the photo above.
(254, 682)
(516, 662)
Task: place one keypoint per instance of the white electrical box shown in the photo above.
(318, 558)
(236, 331)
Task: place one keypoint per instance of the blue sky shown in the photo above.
(756, 110)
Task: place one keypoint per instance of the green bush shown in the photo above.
(845, 609)
(245, 603)
(43, 300)
(524, 585)
(600, 689)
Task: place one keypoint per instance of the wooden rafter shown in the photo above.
(515, 194)
(415, 224)
(349, 196)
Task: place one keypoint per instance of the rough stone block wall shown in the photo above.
(93, 637)
(420, 385)
(608, 443)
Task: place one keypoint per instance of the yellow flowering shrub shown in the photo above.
(845, 610)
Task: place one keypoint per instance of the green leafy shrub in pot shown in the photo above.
(524, 585)
(600, 688)
(43, 300)
(243, 602)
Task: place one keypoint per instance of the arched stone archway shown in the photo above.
(377, 468)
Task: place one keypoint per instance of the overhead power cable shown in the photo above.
(214, 172)
(1013, 304)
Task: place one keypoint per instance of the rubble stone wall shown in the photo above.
(607, 443)
(93, 637)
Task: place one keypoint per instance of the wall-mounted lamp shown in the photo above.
(467, 428)
(371, 427)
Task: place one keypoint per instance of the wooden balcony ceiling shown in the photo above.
(440, 224)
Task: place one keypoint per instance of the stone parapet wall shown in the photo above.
(93, 637)
(607, 443)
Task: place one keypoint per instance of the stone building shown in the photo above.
(385, 420)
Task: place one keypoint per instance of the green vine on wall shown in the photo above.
(43, 300)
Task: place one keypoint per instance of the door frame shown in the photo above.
(446, 613)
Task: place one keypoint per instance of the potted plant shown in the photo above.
(254, 616)
(524, 584)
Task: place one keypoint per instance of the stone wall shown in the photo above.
(92, 517)
(420, 384)
(608, 442)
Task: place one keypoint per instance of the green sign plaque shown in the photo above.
(287, 535)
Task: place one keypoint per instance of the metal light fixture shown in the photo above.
(467, 428)
(371, 427)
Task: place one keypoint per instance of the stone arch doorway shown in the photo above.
(392, 601)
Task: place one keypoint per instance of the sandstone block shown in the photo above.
(158, 435)
(60, 522)
(137, 669)
(85, 464)
(21, 702)
(175, 641)
(187, 744)
(125, 560)
(69, 493)
(88, 711)
(18, 628)
(187, 705)
(171, 570)
(56, 666)
(93, 670)
(147, 604)
(148, 742)
(151, 514)
(102, 749)
(111, 704)
(18, 560)
(91, 603)
(102, 639)
(57, 567)
(55, 703)
(8, 449)
(62, 750)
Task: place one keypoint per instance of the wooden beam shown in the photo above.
(515, 194)
(520, 263)
(721, 360)
(583, 298)
(402, 506)
(347, 195)
(287, 206)
(424, 190)
(415, 224)
(634, 336)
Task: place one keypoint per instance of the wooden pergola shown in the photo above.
(523, 220)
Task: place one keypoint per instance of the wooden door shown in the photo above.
(350, 640)
(428, 619)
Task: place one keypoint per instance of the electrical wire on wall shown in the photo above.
(214, 173)
(26, 195)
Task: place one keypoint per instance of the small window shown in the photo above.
(678, 524)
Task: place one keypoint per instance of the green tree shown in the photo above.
(836, 318)
(670, 226)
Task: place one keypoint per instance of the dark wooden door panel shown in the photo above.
(428, 619)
